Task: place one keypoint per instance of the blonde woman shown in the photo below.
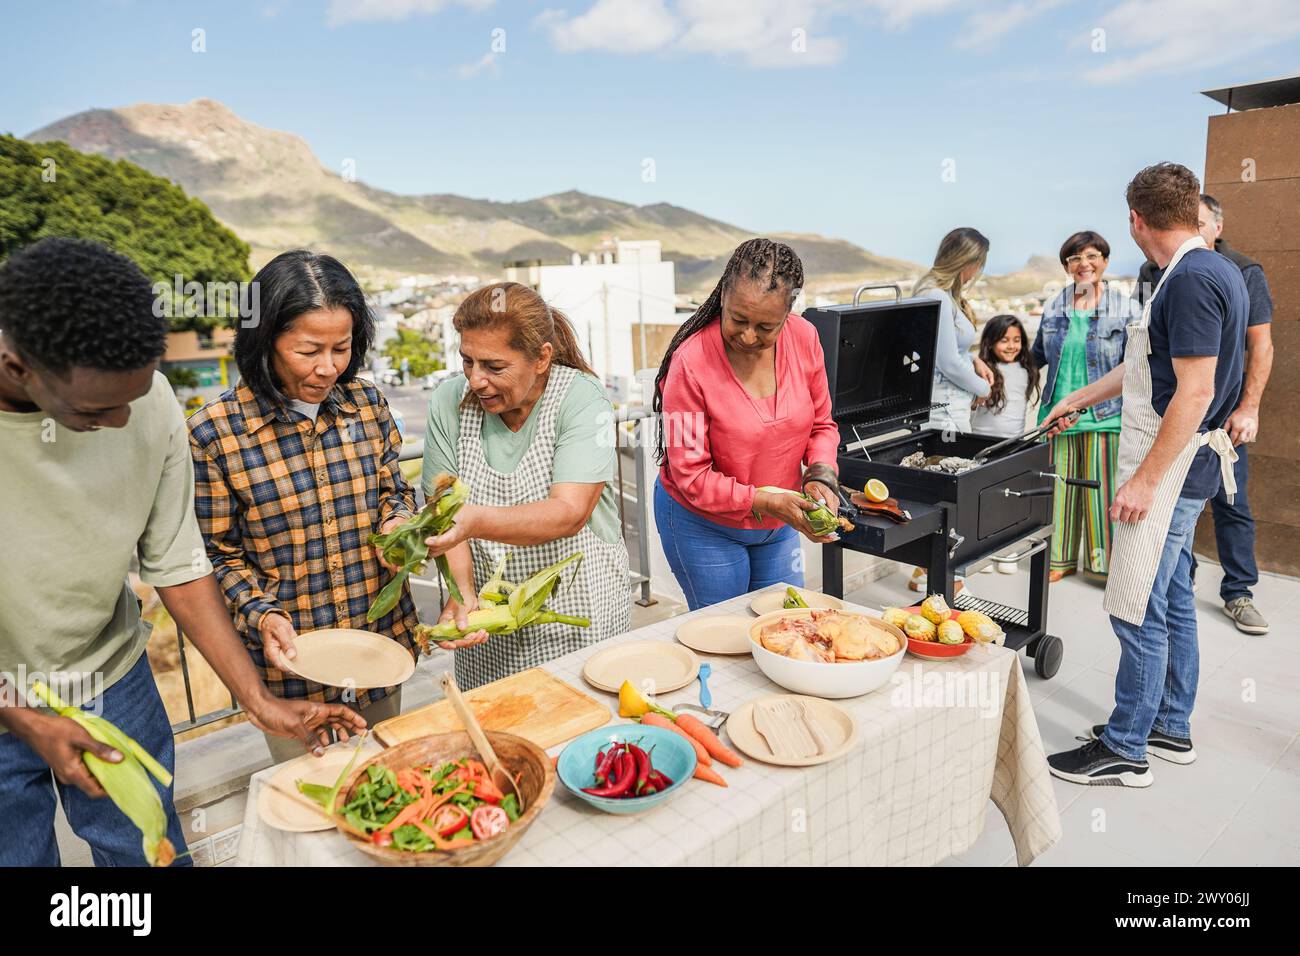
(960, 378)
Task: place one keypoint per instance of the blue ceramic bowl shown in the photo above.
(671, 756)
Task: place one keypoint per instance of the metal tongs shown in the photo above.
(1032, 435)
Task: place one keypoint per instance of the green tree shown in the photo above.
(51, 189)
(420, 351)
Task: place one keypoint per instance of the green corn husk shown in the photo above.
(404, 546)
(327, 797)
(523, 608)
(496, 588)
(127, 783)
(821, 519)
(793, 599)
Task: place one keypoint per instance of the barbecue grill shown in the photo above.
(880, 366)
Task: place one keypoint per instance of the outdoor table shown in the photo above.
(932, 748)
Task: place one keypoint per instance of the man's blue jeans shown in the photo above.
(713, 562)
(1159, 661)
(1234, 533)
(27, 787)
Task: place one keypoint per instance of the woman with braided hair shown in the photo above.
(743, 403)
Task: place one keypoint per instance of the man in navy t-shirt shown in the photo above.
(1178, 393)
(1201, 310)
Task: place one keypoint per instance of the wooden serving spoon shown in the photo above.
(500, 777)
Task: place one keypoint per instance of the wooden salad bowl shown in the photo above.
(517, 755)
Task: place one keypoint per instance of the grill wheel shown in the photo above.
(1047, 656)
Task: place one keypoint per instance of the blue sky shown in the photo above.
(1038, 110)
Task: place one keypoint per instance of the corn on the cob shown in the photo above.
(821, 519)
(522, 609)
(127, 783)
(793, 599)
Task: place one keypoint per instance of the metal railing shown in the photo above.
(637, 500)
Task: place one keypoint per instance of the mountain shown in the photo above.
(274, 193)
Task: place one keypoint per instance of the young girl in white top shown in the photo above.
(1004, 347)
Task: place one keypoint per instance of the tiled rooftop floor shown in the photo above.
(1237, 805)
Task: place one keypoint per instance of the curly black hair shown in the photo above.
(74, 303)
(291, 284)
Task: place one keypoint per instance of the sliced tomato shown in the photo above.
(487, 822)
(449, 818)
(485, 789)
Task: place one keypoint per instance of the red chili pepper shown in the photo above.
(642, 766)
(605, 766)
(660, 780)
(622, 782)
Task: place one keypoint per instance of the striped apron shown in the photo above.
(1137, 546)
(600, 589)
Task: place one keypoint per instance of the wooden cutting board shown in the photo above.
(533, 704)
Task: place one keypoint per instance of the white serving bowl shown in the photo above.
(824, 680)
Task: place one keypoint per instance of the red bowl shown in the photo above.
(935, 650)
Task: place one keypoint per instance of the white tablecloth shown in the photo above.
(932, 748)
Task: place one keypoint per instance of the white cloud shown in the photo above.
(763, 32)
(982, 28)
(618, 26)
(347, 11)
(487, 62)
(1144, 37)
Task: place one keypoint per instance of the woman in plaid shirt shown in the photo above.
(294, 468)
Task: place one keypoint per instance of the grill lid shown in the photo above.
(879, 362)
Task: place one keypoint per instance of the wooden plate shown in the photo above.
(835, 720)
(770, 601)
(343, 657)
(283, 812)
(655, 667)
(716, 634)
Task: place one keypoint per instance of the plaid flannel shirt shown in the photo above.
(287, 506)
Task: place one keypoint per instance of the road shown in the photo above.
(412, 403)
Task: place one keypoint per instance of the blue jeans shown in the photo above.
(1159, 661)
(1234, 534)
(27, 787)
(714, 563)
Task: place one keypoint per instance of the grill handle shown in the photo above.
(1035, 545)
(1076, 482)
(1029, 492)
(898, 292)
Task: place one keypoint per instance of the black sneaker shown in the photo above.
(1173, 749)
(1096, 765)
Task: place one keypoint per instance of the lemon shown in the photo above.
(875, 490)
(633, 703)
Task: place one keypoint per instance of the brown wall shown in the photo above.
(1262, 219)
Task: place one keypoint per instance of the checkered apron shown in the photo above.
(1137, 546)
(601, 589)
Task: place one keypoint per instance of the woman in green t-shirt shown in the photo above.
(529, 428)
(1080, 339)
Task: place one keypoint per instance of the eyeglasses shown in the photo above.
(1086, 257)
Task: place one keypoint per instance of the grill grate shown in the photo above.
(894, 409)
(999, 612)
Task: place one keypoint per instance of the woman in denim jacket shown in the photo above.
(1080, 339)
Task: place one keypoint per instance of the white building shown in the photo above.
(613, 298)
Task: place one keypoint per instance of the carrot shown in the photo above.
(659, 720)
(415, 810)
(708, 773)
(696, 728)
(555, 761)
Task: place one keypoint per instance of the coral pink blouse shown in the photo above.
(722, 444)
